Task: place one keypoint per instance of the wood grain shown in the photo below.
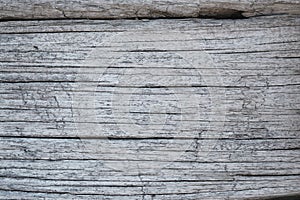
(115, 9)
(65, 133)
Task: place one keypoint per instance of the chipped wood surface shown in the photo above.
(115, 9)
(149, 109)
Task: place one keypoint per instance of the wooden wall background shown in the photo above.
(153, 99)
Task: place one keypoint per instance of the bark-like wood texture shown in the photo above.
(116, 9)
(149, 109)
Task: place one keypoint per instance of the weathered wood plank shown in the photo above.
(111, 9)
(258, 69)
(65, 133)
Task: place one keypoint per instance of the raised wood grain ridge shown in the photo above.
(64, 130)
(117, 9)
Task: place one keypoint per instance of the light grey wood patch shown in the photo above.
(225, 126)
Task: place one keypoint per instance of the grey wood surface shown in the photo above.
(149, 109)
(112, 9)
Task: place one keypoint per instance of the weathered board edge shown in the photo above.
(126, 9)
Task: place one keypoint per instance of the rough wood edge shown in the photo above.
(131, 9)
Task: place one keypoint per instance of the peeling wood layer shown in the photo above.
(127, 9)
